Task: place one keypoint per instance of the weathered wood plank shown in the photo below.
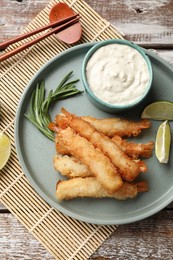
(16, 15)
(148, 239)
(141, 21)
(149, 22)
(17, 243)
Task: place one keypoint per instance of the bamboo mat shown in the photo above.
(62, 236)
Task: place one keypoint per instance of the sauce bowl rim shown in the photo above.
(123, 42)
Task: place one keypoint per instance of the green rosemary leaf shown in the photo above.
(38, 112)
(65, 79)
(48, 133)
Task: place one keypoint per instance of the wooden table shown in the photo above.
(149, 23)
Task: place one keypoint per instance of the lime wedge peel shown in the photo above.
(5, 149)
(159, 110)
(163, 142)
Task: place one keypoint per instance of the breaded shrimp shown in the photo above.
(117, 126)
(134, 150)
(71, 167)
(128, 168)
(99, 164)
(91, 188)
(60, 147)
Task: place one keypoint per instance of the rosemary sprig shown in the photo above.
(38, 112)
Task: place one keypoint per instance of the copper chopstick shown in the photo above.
(64, 24)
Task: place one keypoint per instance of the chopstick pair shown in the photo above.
(59, 26)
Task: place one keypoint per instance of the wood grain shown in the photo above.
(148, 22)
(141, 21)
(14, 16)
(147, 239)
(151, 238)
(17, 243)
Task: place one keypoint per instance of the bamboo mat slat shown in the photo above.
(62, 236)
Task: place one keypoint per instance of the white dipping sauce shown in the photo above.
(117, 74)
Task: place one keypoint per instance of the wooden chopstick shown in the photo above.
(62, 25)
(4, 45)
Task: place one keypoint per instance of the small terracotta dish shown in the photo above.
(73, 33)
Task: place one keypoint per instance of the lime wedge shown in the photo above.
(160, 110)
(163, 141)
(5, 149)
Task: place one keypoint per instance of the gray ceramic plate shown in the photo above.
(35, 151)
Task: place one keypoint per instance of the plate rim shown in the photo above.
(36, 187)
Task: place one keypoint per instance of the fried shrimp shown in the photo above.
(99, 164)
(134, 150)
(90, 188)
(96, 160)
(71, 167)
(117, 126)
(60, 148)
(128, 168)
